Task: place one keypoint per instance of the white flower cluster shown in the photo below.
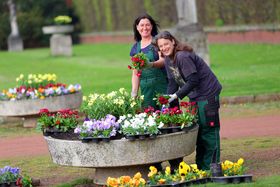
(139, 124)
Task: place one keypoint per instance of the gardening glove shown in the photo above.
(172, 98)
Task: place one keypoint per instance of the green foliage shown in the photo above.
(4, 29)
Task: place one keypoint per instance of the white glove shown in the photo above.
(172, 97)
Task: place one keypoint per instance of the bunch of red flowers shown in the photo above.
(139, 62)
(162, 100)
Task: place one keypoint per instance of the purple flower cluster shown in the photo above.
(9, 174)
(105, 127)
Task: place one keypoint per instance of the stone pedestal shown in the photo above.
(122, 157)
(29, 108)
(193, 35)
(60, 42)
(61, 45)
(15, 43)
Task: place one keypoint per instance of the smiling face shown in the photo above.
(144, 28)
(166, 46)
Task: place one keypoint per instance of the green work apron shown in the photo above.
(208, 139)
(153, 81)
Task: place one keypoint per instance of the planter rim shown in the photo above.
(57, 29)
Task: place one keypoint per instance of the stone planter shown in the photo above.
(60, 41)
(122, 157)
(29, 108)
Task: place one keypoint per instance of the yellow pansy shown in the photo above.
(240, 161)
(137, 175)
(167, 170)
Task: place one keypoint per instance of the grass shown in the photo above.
(244, 69)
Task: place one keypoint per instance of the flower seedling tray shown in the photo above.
(95, 140)
(186, 129)
(168, 130)
(184, 183)
(11, 184)
(232, 179)
(140, 137)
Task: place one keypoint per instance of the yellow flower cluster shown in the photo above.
(233, 168)
(127, 181)
(62, 19)
(33, 80)
(184, 173)
(189, 172)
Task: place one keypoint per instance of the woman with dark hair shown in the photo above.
(188, 75)
(153, 80)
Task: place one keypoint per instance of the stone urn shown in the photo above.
(122, 156)
(29, 108)
(60, 41)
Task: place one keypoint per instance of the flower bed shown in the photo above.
(117, 114)
(59, 124)
(38, 86)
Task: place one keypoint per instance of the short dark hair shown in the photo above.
(155, 25)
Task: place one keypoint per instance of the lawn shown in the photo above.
(244, 69)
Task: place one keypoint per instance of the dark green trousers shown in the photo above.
(208, 139)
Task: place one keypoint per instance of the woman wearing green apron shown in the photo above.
(153, 80)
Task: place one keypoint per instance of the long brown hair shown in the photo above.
(178, 46)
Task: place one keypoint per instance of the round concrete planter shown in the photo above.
(58, 29)
(29, 108)
(122, 157)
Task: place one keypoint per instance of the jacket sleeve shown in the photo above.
(192, 81)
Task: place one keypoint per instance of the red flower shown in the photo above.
(19, 182)
(44, 111)
(162, 100)
(129, 67)
(149, 110)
